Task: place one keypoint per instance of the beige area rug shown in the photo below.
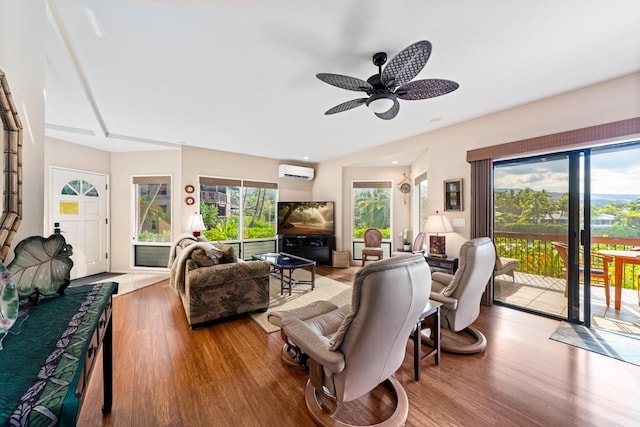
(325, 289)
(130, 282)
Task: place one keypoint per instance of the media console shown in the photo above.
(316, 248)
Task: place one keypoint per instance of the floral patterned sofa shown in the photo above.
(213, 283)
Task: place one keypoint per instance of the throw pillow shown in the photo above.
(201, 257)
(229, 255)
(216, 256)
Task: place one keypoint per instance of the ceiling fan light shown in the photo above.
(380, 105)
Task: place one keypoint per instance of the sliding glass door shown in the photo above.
(563, 217)
(615, 236)
(531, 225)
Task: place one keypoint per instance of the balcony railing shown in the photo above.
(537, 255)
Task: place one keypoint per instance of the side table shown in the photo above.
(432, 309)
(445, 265)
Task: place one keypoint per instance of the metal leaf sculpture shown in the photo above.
(41, 266)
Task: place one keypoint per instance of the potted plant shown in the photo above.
(406, 242)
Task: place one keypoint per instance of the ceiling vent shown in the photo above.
(295, 172)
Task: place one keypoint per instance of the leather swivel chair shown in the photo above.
(353, 349)
(372, 245)
(460, 294)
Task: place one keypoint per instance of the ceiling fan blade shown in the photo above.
(345, 82)
(406, 65)
(346, 106)
(428, 88)
(391, 113)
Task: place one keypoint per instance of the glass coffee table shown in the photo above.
(283, 265)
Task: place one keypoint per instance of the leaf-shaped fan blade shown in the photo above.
(346, 82)
(391, 113)
(406, 65)
(346, 106)
(428, 88)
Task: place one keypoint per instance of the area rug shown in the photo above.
(325, 289)
(618, 346)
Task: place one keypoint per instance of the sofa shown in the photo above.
(213, 283)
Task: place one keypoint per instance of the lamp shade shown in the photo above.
(197, 224)
(437, 223)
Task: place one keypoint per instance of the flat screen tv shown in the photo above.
(305, 218)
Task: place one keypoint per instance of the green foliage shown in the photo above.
(372, 208)
(209, 214)
(150, 236)
(225, 229)
(358, 233)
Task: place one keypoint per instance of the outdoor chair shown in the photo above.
(599, 267)
(505, 265)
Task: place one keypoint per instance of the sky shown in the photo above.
(612, 172)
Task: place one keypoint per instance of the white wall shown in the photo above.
(22, 56)
(123, 167)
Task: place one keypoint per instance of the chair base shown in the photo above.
(468, 341)
(292, 357)
(326, 417)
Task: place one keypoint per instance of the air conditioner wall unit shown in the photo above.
(295, 172)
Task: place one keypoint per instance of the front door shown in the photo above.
(79, 211)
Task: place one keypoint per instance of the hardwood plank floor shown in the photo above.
(230, 374)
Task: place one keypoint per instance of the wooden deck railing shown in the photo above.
(537, 255)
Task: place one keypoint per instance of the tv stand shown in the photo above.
(318, 248)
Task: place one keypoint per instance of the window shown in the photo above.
(259, 209)
(233, 209)
(371, 207)
(421, 192)
(220, 208)
(153, 209)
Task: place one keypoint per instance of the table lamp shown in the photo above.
(197, 224)
(437, 223)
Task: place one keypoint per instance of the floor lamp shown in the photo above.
(437, 224)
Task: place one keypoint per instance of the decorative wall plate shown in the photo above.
(189, 189)
(189, 200)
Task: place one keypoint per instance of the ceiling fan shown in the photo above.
(392, 82)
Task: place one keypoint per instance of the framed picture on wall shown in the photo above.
(453, 194)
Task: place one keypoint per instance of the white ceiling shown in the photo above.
(240, 75)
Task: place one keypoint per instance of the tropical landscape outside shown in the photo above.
(371, 209)
(224, 208)
(531, 203)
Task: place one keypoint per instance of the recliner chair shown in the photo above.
(355, 348)
(460, 294)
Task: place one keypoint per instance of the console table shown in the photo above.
(44, 370)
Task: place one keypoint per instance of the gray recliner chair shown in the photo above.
(460, 294)
(353, 349)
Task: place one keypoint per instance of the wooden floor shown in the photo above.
(229, 374)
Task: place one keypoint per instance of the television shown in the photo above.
(305, 218)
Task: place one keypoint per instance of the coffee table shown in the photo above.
(283, 262)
